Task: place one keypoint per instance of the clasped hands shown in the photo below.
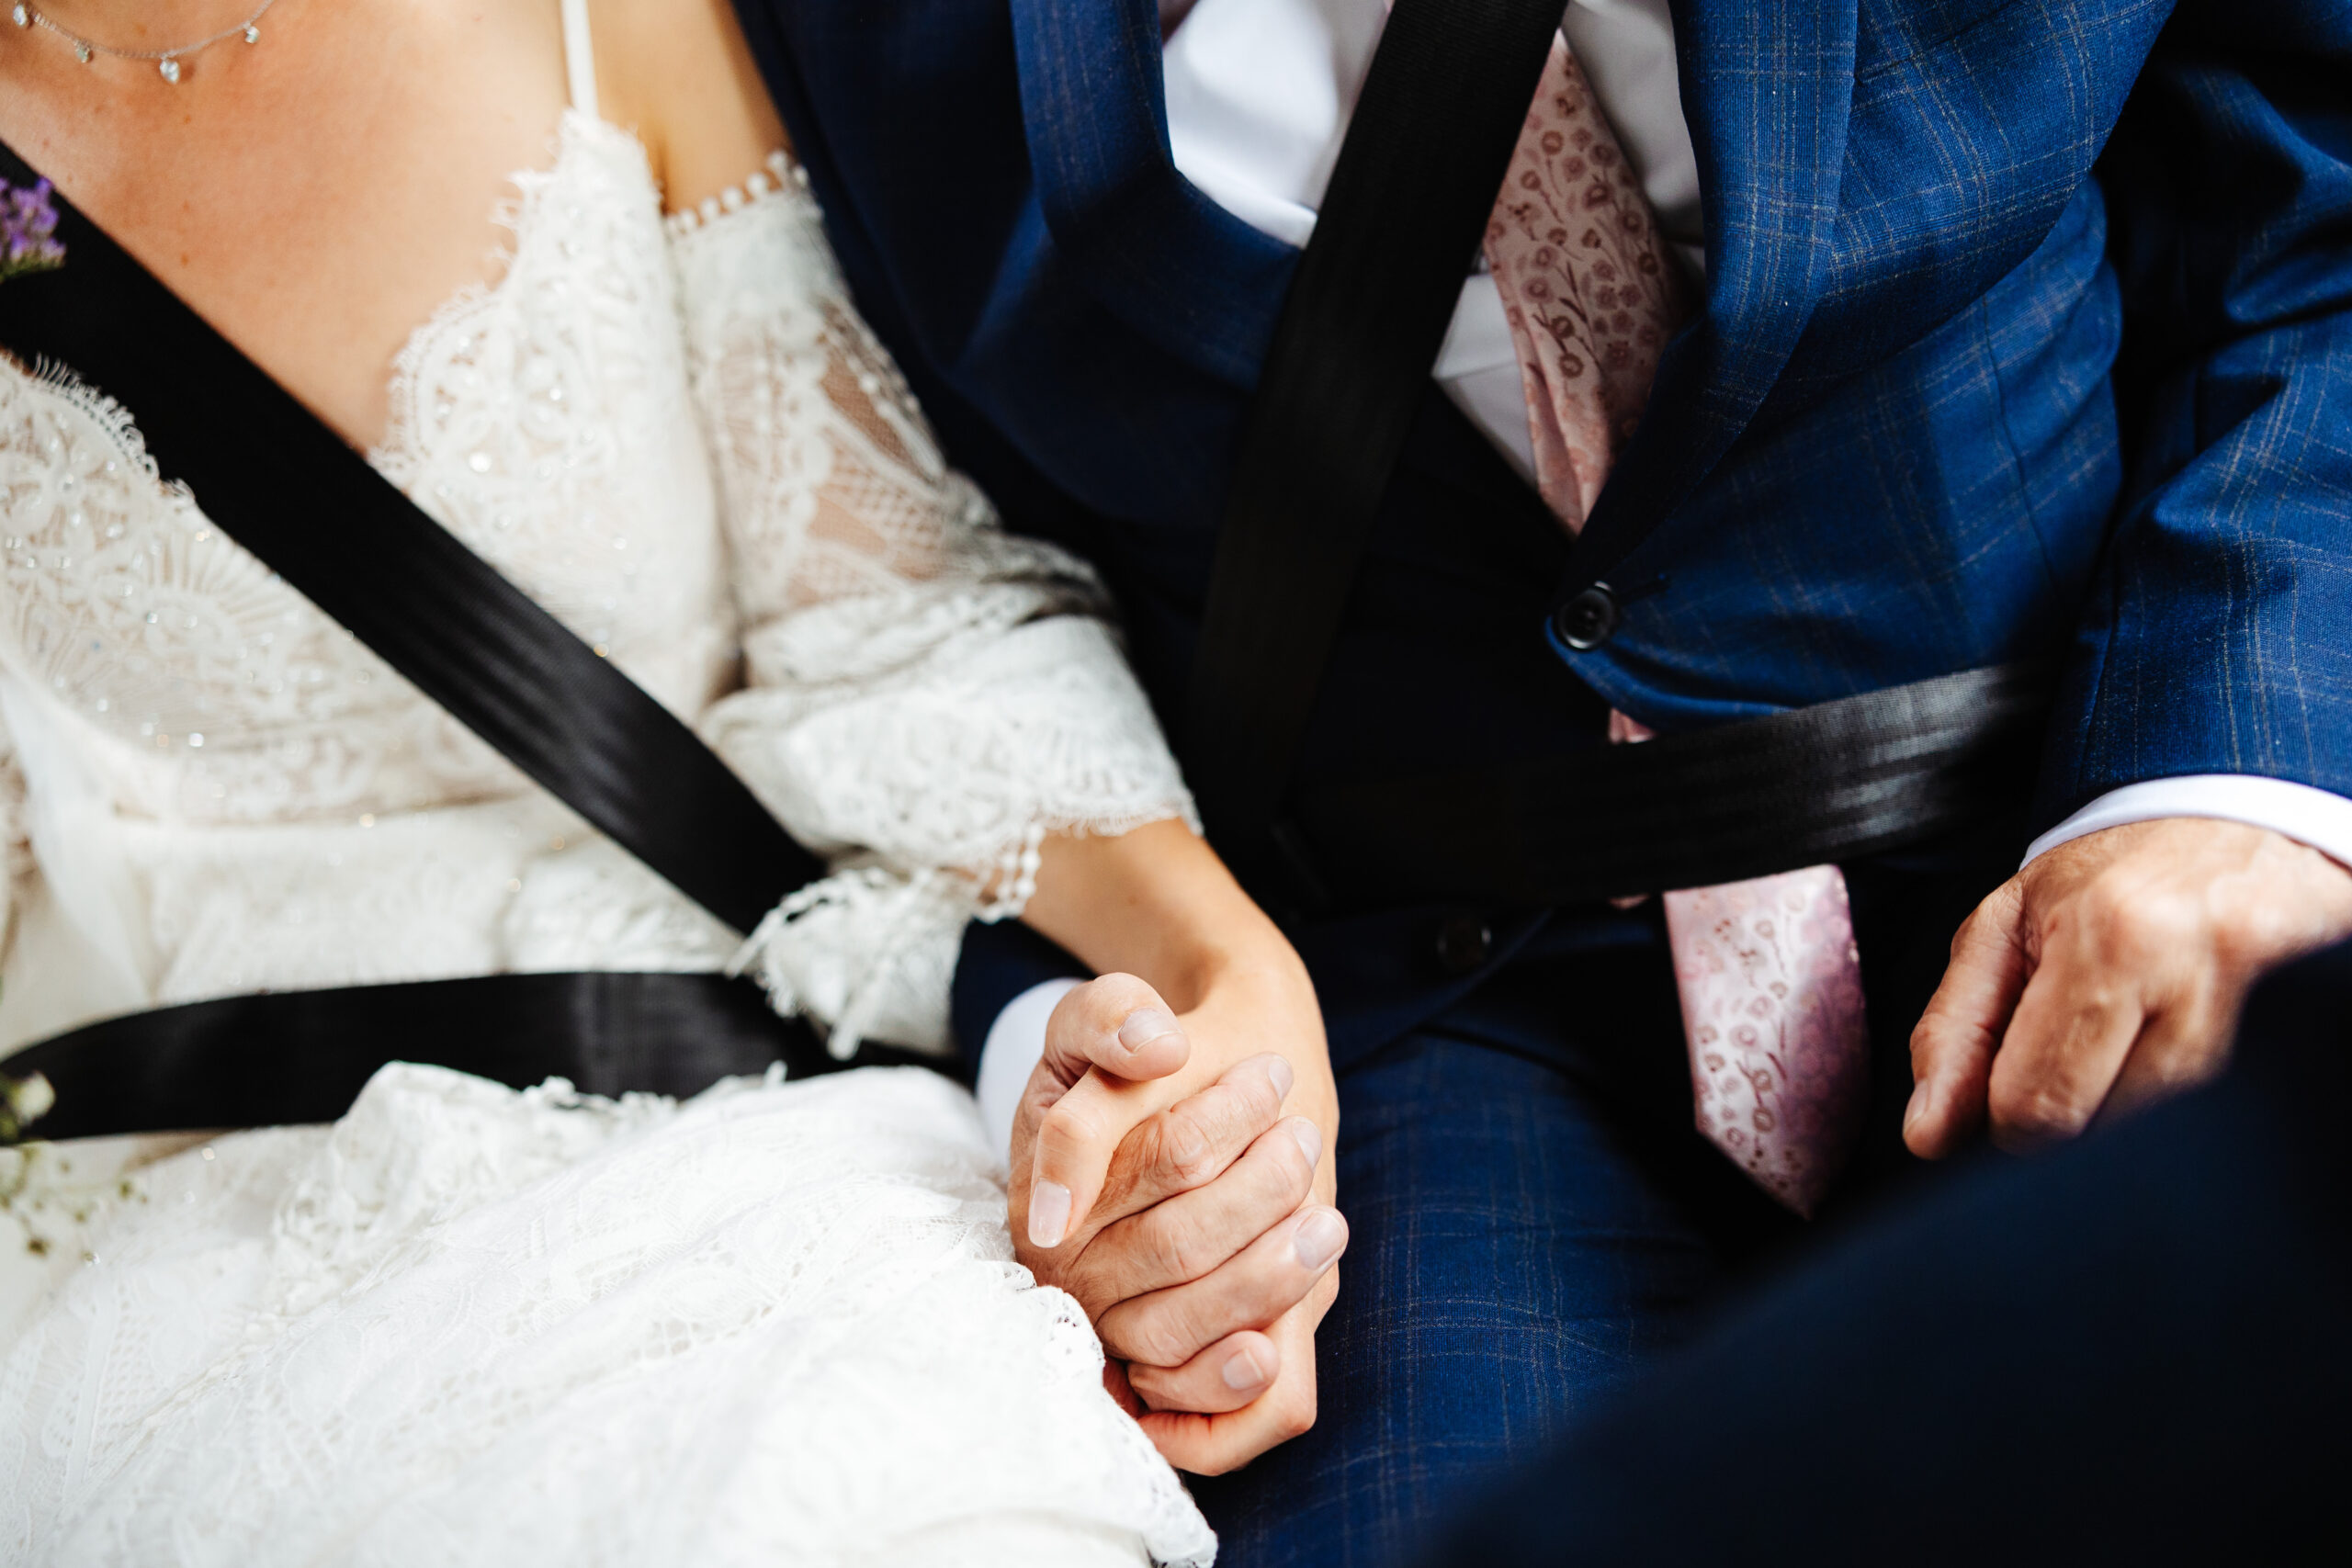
(1176, 1180)
(1184, 1196)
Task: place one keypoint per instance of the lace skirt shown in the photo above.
(777, 1324)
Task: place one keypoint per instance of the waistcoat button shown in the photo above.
(1586, 621)
(1464, 943)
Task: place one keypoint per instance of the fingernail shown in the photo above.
(1320, 1236)
(1048, 1213)
(1279, 1070)
(1145, 1025)
(1916, 1108)
(1310, 1138)
(1241, 1371)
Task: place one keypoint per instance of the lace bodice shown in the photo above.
(678, 437)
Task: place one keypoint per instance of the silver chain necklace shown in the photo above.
(167, 61)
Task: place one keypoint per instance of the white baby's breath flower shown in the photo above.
(28, 1099)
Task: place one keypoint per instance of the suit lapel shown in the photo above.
(1766, 86)
(1198, 282)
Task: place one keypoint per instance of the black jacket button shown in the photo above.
(1586, 621)
(1464, 943)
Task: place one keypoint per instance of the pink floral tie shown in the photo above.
(1769, 979)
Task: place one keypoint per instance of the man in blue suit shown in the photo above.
(2027, 334)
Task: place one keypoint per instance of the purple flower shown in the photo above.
(28, 230)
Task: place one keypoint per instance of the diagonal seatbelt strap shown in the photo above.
(1367, 311)
(273, 477)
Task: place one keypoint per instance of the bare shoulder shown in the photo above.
(679, 73)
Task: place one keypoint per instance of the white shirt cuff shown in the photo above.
(2318, 818)
(1016, 1042)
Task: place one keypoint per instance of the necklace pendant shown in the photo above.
(21, 16)
(82, 52)
(253, 33)
(170, 69)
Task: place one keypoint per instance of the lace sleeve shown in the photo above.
(929, 696)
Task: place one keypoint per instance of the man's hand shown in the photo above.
(2108, 972)
(1160, 1184)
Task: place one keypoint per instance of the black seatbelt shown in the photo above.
(273, 477)
(1400, 222)
(1408, 200)
(285, 488)
(1833, 782)
(286, 1058)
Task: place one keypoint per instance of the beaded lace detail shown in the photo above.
(678, 437)
(780, 173)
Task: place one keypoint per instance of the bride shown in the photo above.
(777, 1321)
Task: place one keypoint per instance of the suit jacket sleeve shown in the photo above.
(2219, 638)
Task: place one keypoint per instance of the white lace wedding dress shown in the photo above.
(777, 1324)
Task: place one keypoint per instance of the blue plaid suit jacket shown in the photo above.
(2028, 327)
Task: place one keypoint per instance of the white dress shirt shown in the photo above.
(1260, 94)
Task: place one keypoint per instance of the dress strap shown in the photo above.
(580, 57)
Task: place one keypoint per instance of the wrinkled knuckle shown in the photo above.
(1186, 1149)
(1172, 1249)
(1159, 1338)
(1996, 911)
(2051, 1110)
(2057, 1114)
(1167, 1153)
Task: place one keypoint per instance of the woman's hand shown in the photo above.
(1170, 1154)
